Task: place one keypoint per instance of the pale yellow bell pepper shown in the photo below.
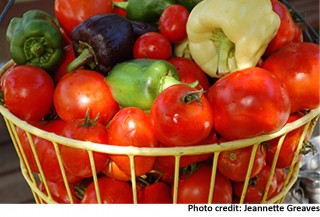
(227, 35)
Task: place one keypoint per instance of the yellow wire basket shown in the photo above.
(33, 179)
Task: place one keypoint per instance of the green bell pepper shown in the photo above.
(144, 10)
(35, 39)
(137, 82)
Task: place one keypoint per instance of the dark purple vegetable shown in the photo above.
(102, 41)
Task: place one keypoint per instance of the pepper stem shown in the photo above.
(122, 5)
(86, 57)
(225, 49)
(167, 81)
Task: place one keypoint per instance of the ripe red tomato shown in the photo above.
(195, 187)
(286, 31)
(76, 160)
(234, 164)
(190, 72)
(152, 45)
(181, 116)
(257, 186)
(111, 191)
(81, 90)
(297, 67)
(59, 192)
(173, 21)
(28, 92)
(155, 193)
(289, 145)
(166, 165)
(132, 127)
(248, 103)
(72, 12)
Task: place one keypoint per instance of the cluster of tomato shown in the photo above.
(243, 104)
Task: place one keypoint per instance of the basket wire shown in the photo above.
(308, 121)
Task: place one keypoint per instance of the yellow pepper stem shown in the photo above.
(226, 50)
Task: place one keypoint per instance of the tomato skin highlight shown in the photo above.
(72, 12)
(173, 21)
(152, 45)
(297, 66)
(28, 92)
(248, 103)
(81, 90)
(179, 123)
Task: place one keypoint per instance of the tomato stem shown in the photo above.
(193, 96)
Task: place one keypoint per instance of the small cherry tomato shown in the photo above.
(152, 45)
(173, 21)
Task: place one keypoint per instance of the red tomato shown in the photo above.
(173, 22)
(155, 193)
(28, 92)
(166, 164)
(181, 116)
(195, 187)
(248, 103)
(62, 68)
(289, 145)
(190, 72)
(111, 191)
(72, 12)
(234, 164)
(81, 90)
(297, 67)
(257, 186)
(59, 192)
(286, 31)
(25, 145)
(132, 127)
(76, 160)
(152, 45)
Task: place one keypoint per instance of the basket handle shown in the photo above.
(5, 10)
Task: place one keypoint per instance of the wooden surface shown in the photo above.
(13, 188)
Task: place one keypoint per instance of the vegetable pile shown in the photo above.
(160, 73)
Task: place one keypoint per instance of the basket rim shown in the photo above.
(157, 151)
(150, 151)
